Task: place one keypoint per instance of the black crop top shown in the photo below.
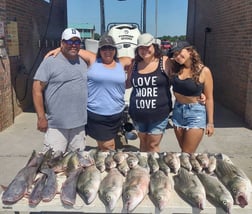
(187, 87)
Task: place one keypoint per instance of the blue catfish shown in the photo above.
(50, 188)
(36, 195)
(68, 189)
(23, 180)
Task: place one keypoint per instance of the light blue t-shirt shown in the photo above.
(106, 88)
(66, 91)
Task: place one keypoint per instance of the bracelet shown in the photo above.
(210, 125)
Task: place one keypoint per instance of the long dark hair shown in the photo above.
(157, 54)
(196, 66)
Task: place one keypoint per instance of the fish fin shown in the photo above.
(33, 155)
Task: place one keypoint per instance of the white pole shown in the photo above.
(156, 17)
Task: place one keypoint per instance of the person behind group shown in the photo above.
(150, 99)
(189, 78)
(60, 84)
(106, 87)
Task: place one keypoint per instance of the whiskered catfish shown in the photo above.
(23, 180)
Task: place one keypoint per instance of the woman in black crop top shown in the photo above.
(190, 78)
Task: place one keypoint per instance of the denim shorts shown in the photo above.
(153, 127)
(192, 115)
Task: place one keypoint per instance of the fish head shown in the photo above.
(241, 199)
(85, 158)
(132, 161)
(86, 195)
(59, 163)
(89, 195)
(119, 157)
(131, 198)
(226, 203)
(240, 191)
(197, 199)
(11, 198)
(161, 199)
(110, 200)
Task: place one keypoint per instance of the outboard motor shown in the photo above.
(125, 36)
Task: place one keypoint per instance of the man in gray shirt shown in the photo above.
(60, 96)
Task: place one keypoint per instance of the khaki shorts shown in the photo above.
(64, 140)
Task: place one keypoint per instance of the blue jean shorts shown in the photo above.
(153, 127)
(192, 115)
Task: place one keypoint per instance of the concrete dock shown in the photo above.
(231, 138)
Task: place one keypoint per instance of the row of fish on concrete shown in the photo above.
(130, 176)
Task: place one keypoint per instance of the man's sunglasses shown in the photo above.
(72, 42)
(107, 48)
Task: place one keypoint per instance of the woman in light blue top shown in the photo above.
(106, 88)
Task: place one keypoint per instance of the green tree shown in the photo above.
(97, 36)
(172, 38)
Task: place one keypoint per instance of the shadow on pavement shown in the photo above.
(224, 118)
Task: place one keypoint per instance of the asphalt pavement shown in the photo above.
(231, 138)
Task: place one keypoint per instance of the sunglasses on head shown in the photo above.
(72, 42)
(107, 48)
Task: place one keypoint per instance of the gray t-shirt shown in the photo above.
(65, 93)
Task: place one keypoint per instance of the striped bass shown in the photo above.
(235, 180)
(189, 188)
(216, 192)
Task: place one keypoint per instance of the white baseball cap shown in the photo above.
(145, 39)
(70, 33)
